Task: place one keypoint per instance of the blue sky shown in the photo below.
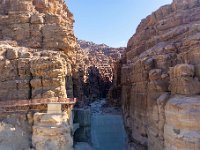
(111, 22)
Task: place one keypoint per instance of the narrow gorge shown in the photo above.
(61, 93)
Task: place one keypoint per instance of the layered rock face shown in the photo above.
(37, 63)
(15, 131)
(114, 53)
(160, 79)
(36, 131)
(99, 69)
(37, 24)
(37, 48)
(29, 73)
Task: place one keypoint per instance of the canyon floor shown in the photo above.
(107, 127)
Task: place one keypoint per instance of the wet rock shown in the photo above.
(82, 116)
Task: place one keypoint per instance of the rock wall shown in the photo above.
(30, 73)
(37, 49)
(114, 93)
(160, 79)
(36, 131)
(37, 53)
(99, 69)
(52, 131)
(37, 24)
(82, 117)
(15, 131)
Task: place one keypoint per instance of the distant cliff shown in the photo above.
(114, 53)
(100, 60)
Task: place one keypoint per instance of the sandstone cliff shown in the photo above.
(160, 79)
(114, 53)
(99, 68)
(37, 48)
(37, 56)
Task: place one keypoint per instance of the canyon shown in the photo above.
(61, 93)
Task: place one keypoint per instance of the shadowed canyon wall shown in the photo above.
(99, 60)
(160, 79)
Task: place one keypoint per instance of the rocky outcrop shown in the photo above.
(29, 73)
(114, 53)
(37, 53)
(160, 79)
(37, 24)
(38, 131)
(181, 130)
(37, 63)
(100, 60)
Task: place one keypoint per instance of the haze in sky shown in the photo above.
(111, 22)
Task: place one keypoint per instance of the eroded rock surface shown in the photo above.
(37, 48)
(37, 53)
(37, 24)
(160, 79)
(99, 68)
(52, 131)
(15, 131)
(29, 73)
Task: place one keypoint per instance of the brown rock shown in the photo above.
(182, 80)
(182, 123)
(40, 72)
(11, 54)
(51, 131)
(169, 39)
(155, 74)
(37, 19)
